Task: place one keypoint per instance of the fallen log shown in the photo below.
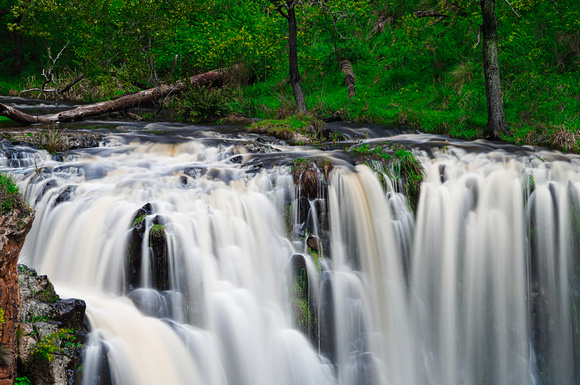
(346, 69)
(109, 106)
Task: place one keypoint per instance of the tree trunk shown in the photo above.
(293, 58)
(346, 69)
(120, 104)
(496, 123)
(17, 52)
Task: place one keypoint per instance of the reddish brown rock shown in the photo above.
(13, 230)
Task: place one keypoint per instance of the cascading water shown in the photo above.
(481, 288)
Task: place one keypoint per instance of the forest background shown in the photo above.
(416, 63)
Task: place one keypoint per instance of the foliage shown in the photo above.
(202, 104)
(52, 140)
(397, 163)
(421, 72)
(9, 196)
(63, 341)
(21, 381)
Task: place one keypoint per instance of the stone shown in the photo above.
(14, 228)
(58, 323)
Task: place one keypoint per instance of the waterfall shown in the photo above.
(202, 263)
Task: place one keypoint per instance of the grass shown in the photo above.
(10, 197)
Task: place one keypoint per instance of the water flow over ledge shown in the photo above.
(482, 289)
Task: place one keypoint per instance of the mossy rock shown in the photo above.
(396, 162)
(311, 175)
(296, 129)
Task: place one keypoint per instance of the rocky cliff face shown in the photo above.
(51, 334)
(41, 335)
(13, 229)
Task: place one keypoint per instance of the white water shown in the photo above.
(481, 252)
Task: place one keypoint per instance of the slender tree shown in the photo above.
(286, 9)
(496, 123)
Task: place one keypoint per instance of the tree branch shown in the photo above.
(512, 7)
(478, 39)
(429, 14)
(281, 12)
(69, 86)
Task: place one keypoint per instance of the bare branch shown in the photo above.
(429, 14)
(69, 86)
(478, 39)
(281, 12)
(512, 7)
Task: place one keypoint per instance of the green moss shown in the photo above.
(139, 220)
(302, 311)
(290, 128)
(2, 319)
(48, 296)
(315, 257)
(156, 232)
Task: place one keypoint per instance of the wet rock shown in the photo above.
(313, 242)
(69, 312)
(134, 249)
(101, 374)
(159, 265)
(326, 319)
(157, 247)
(304, 304)
(65, 194)
(236, 159)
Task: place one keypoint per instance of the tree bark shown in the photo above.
(293, 58)
(17, 53)
(346, 69)
(120, 104)
(496, 123)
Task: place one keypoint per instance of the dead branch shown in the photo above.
(478, 39)
(512, 7)
(56, 91)
(429, 14)
(121, 104)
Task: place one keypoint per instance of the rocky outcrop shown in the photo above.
(156, 264)
(52, 332)
(13, 229)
